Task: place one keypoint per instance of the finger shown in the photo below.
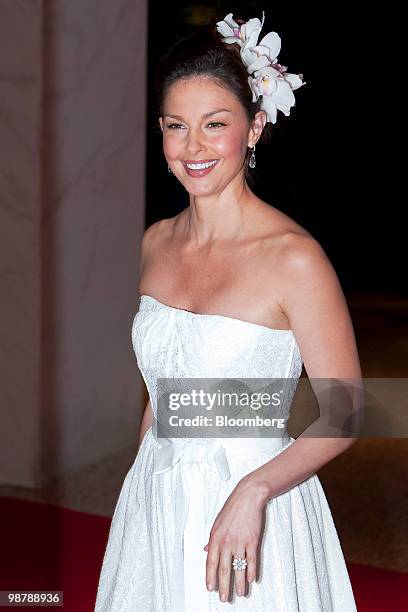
(224, 573)
(240, 575)
(251, 557)
(212, 566)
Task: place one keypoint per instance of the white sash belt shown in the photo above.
(188, 591)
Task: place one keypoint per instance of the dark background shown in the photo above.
(336, 165)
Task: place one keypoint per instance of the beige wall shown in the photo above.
(72, 141)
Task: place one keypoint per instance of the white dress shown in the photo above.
(154, 559)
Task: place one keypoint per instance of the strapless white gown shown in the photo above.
(154, 559)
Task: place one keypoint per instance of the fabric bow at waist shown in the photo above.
(172, 451)
(188, 591)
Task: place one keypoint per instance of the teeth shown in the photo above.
(201, 166)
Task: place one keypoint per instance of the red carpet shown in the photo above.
(47, 547)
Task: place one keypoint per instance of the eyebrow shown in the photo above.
(220, 110)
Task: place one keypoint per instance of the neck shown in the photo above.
(218, 217)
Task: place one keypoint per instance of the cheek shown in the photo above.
(171, 148)
(229, 146)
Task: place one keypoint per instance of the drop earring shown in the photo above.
(169, 169)
(252, 159)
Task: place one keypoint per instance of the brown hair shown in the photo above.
(204, 53)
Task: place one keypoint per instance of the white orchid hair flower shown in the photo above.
(268, 78)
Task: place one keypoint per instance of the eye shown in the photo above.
(173, 126)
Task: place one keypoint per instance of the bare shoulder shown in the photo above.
(304, 267)
(155, 250)
(293, 243)
(281, 232)
(155, 236)
(315, 305)
(302, 258)
(312, 300)
(301, 270)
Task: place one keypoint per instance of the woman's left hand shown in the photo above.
(236, 532)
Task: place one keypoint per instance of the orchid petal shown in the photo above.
(230, 40)
(284, 97)
(247, 56)
(262, 50)
(251, 36)
(224, 29)
(273, 42)
(267, 85)
(252, 40)
(253, 25)
(230, 21)
(269, 106)
(269, 71)
(260, 62)
(294, 80)
(251, 83)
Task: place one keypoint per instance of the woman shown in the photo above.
(230, 287)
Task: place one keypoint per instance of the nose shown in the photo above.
(194, 141)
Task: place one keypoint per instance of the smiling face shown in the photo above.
(193, 132)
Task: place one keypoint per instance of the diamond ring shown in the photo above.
(239, 563)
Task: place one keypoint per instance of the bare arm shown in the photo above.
(147, 421)
(316, 307)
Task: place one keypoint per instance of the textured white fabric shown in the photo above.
(154, 559)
